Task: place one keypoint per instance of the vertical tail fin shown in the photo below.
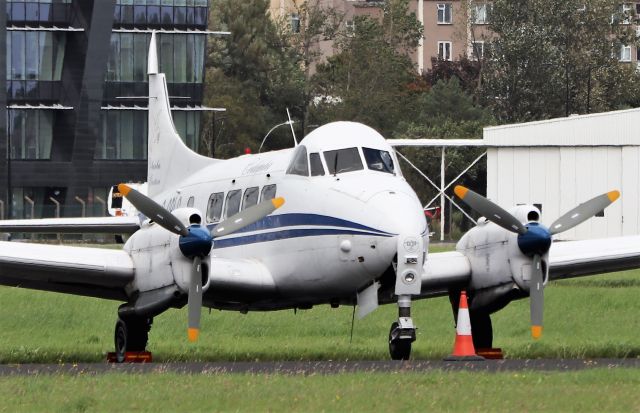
(170, 161)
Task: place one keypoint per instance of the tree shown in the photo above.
(253, 74)
(553, 58)
(369, 78)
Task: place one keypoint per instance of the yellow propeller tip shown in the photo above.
(613, 195)
(536, 332)
(193, 334)
(277, 202)
(461, 191)
(124, 189)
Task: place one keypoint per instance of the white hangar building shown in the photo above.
(560, 163)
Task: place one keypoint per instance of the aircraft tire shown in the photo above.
(131, 335)
(399, 349)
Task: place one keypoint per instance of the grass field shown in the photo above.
(591, 317)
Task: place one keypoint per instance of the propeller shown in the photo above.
(534, 240)
(196, 241)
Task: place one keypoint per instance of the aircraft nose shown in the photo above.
(398, 212)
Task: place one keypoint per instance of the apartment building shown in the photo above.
(452, 29)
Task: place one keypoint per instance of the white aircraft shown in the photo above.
(213, 233)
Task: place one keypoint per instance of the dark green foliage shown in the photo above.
(552, 58)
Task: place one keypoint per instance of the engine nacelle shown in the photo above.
(500, 271)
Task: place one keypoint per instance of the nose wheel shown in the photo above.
(400, 341)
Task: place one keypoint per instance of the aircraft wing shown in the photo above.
(444, 270)
(579, 258)
(91, 272)
(96, 225)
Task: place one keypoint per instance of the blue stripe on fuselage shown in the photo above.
(293, 220)
(286, 234)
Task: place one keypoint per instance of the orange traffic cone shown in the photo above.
(463, 349)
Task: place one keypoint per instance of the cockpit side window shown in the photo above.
(316, 165)
(378, 160)
(299, 164)
(343, 160)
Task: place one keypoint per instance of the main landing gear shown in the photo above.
(131, 335)
(402, 332)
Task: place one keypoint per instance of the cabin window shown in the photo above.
(214, 207)
(268, 192)
(299, 164)
(316, 164)
(343, 160)
(233, 203)
(378, 160)
(250, 197)
(190, 202)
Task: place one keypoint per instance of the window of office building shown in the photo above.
(187, 125)
(165, 12)
(43, 11)
(444, 50)
(31, 133)
(123, 133)
(181, 57)
(35, 55)
(445, 11)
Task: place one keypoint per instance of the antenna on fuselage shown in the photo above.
(295, 141)
(289, 122)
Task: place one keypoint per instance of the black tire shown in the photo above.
(399, 349)
(120, 340)
(131, 335)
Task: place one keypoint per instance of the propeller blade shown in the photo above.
(536, 297)
(246, 217)
(489, 210)
(153, 210)
(194, 305)
(583, 212)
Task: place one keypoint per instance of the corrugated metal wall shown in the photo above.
(560, 178)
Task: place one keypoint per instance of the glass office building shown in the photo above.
(75, 120)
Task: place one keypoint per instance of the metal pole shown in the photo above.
(83, 205)
(104, 204)
(52, 199)
(32, 203)
(442, 216)
(9, 189)
(1, 209)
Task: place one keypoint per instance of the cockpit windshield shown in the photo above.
(378, 160)
(299, 164)
(343, 160)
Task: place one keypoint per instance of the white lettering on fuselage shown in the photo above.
(253, 169)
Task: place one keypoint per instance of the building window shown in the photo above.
(295, 23)
(35, 55)
(187, 125)
(445, 11)
(623, 14)
(123, 135)
(166, 12)
(477, 50)
(31, 133)
(482, 12)
(625, 53)
(181, 57)
(444, 50)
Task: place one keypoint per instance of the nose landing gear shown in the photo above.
(402, 332)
